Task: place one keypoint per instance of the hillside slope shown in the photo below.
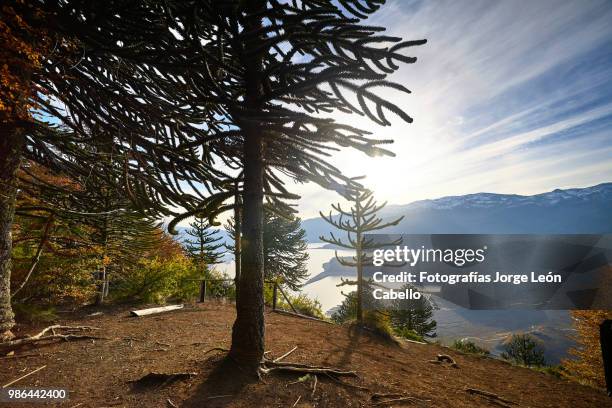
(98, 373)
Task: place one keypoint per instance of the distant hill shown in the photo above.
(577, 210)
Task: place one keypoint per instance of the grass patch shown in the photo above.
(556, 371)
(469, 347)
(34, 313)
(409, 335)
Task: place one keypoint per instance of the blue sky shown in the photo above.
(508, 97)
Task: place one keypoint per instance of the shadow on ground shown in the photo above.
(224, 381)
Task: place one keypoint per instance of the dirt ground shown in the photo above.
(99, 373)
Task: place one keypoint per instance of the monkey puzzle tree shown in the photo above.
(285, 245)
(79, 74)
(413, 314)
(524, 349)
(362, 218)
(185, 85)
(113, 226)
(204, 244)
(277, 74)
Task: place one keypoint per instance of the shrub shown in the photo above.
(379, 323)
(470, 347)
(347, 310)
(219, 286)
(301, 302)
(158, 280)
(413, 315)
(32, 313)
(556, 371)
(59, 278)
(408, 334)
(525, 350)
(307, 306)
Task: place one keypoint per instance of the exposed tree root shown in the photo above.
(302, 369)
(269, 365)
(491, 397)
(394, 398)
(445, 358)
(379, 396)
(398, 400)
(51, 333)
(215, 349)
(345, 384)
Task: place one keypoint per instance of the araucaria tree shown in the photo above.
(204, 244)
(413, 314)
(182, 85)
(81, 74)
(276, 75)
(285, 255)
(524, 349)
(361, 219)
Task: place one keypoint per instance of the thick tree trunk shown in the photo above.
(249, 330)
(11, 147)
(237, 237)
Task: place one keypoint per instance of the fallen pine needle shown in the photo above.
(296, 401)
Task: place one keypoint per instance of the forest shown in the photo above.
(124, 123)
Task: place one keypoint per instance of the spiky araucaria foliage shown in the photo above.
(359, 220)
(276, 74)
(204, 244)
(184, 85)
(285, 248)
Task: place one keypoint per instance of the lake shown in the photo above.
(489, 328)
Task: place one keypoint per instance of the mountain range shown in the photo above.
(572, 211)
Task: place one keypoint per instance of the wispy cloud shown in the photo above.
(508, 96)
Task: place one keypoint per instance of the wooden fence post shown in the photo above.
(605, 337)
(274, 296)
(203, 291)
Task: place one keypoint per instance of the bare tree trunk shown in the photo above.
(359, 262)
(237, 236)
(249, 329)
(36, 259)
(11, 147)
(103, 277)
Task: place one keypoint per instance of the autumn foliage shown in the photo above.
(21, 51)
(57, 252)
(588, 363)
